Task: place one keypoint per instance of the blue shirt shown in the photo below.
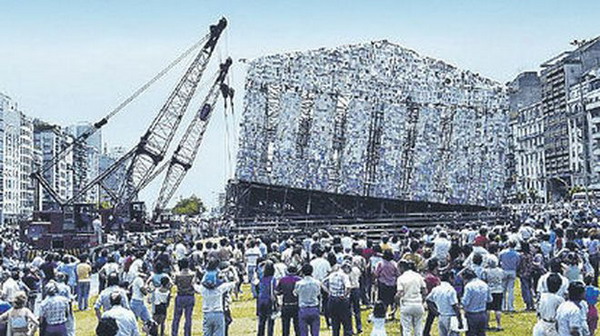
(477, 295)
(591, 295)
(509, 260)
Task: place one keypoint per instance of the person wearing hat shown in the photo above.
(54, 311)
(19, 319)
(411, 291)
(476, 296)
(289, 310)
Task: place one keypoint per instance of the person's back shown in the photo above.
(184, 282)
(20, 320)
(125, 318)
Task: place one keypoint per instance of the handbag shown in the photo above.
(454, 324)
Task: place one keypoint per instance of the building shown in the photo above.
(86, 159)
(584, 130)
(528, 133)
(114, 181)
(524, 92)
(16, 150)
(51, 140)
(563, 123)
(374, 120)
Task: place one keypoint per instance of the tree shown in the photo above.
(190, 206)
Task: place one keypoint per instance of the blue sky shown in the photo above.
(68, 61)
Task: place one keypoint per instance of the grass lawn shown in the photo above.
(245, 322)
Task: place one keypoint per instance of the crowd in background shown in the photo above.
(453, 278)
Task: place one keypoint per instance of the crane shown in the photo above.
(186, 151)
(141, 161)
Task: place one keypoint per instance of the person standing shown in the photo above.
(547, 306)
(493, 276)
(21, 321)
(97, 226)
(138, 294)
(475, 298)
(570, 315)
(103, 300)
(289, 310)
(525, 273)
(126, 321)
(431, 281)
(84, 272)
(354, 274)
(213, 305)
(337, 286)
(321, 268)
(160, 298)
(266, 300)
(411, 291)
(445, 301)
(509, 262)
(184, 301)
(308, 291)
(386, 273)
(54, 311)
(251, 257)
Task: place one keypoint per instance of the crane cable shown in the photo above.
(98, 125)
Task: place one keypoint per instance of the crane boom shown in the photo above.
(142, 160)
(186, 151)
(154, 143)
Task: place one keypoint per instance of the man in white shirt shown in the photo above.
(180, 251)
(251, 256)
(135, 267)
(212, 306)
(547, 307)
(138, 294)
(441, 247)
(124, 317)
(321, 266)
(411, 293)
(97, 226)
(354, 275)
(555, 268)
(321, 269)
(445, 300)
(347, 241)
(571, 314)
(10, 287)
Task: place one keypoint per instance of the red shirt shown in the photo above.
(431, 281)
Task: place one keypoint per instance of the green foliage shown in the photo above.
(575, 189)
(190, 206)
(105, 205)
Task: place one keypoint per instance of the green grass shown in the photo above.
(245, 321)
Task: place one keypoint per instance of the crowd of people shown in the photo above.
(462, 276)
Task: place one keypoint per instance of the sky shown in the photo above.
(72, 61)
